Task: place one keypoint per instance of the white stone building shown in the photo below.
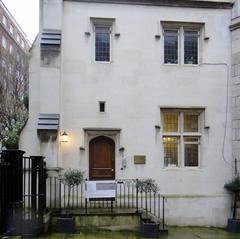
(142, 88)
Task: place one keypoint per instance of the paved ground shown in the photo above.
(174, 233)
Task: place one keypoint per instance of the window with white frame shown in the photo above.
(181, 44)
(102, 43)
(4, 42)
(181, 138)
(18, 38)
(11, 48)
(11, 29)
(4, 20)
(22, 44)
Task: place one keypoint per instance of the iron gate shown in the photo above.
(22, 193)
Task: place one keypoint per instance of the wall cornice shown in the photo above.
(167, 3)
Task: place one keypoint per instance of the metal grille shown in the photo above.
(190, 47)
(170, 122)
(102, 43)
(190, 123)
(171, 46)
(191, 151)
(171, 145)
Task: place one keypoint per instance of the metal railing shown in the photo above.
(128, 196)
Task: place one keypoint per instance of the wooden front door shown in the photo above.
(102, 158)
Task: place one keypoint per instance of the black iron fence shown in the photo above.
(22, 192)
(128, 196)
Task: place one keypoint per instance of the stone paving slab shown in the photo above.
(174, 233)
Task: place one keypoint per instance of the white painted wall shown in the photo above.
(135, 85)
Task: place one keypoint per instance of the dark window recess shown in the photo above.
(171, 46)
(102, 106)
(102, 43)
(190, 47)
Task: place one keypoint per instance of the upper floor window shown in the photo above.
(4, 20)
(171, 46)
(11, 28)
(18, 38)
(11, 48)
(22, 44)
(190, 47)
(181, 138)
(4, 42)
(102, 43)
(181, 43)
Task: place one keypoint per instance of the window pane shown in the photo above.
(190, 47)
(190, 123)
(171, 46)
(171, 145)
(191, 139)
(191, 155)
(102, 44)
(4, 42)
(170, 122)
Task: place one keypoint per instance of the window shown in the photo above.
(11, 28)
(18, 38)
(22, 44)
(4, 42)
(181, 45)
(181, 138)
(102, 106)
(4, 20)
(11, 48)
(190, 47)
(171, 46)
(102, 43)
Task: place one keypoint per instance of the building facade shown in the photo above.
(14, 47)
(235, 31)
(142, 89)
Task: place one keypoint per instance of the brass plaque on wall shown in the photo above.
(139, 159)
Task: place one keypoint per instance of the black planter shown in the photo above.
(66, 224)
(149, 228)
(233, 225)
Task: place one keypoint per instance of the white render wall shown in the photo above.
(135, 85)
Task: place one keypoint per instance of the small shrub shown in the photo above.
(147, 185)
(233, 186)
(71, 178)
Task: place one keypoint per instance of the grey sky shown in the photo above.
(26, 14)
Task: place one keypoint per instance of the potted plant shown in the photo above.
(148, 227)
(70, 178)
(234, 187)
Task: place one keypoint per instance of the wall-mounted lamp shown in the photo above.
(88, 34)
(158, 127)
(64, 137)
(121, 149)
(117, 35)
(157, 37)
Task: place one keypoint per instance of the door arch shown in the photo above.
(102, 158)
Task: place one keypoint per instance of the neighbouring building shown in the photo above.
(14, 49)
(235, 31)
(143, 90)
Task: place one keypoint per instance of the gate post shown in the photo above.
(11, 183)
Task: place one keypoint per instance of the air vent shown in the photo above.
(51, 37)
(48, 122)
